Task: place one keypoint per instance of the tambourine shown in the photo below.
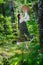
(25, 8)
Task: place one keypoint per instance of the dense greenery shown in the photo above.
(10, 52)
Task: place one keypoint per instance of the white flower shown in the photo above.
(18, 43)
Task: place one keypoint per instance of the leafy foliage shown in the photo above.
(10, 52)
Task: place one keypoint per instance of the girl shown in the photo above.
(23, 27)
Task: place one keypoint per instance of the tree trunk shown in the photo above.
(3, 9)
(25, 2)
(11, 6)
(40, 12)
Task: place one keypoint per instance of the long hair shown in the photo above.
(18, 16)
(18, 19)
